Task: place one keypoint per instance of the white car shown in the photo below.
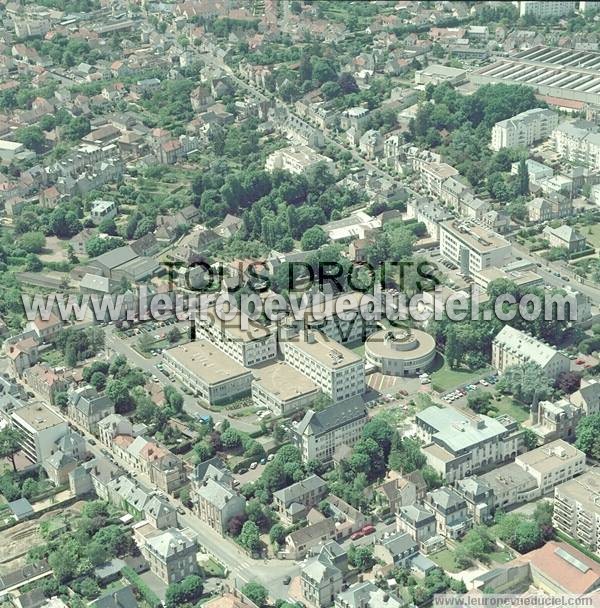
(254, 465)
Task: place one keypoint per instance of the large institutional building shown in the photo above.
(473, 247)
(457, 445)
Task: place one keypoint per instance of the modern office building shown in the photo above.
(403, 352)
(336, 370)
(208, 371)
(244, 340)
(472, 247)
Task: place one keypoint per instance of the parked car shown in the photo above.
(287, 579)
(270, 457)
(254, 465)
(368, 530)
(357, 535)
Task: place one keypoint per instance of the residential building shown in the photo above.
(533, 474)
(587, 398)
(552, 463)
(366, 595)
(155, 462)
(579, 143)
(86, 407)
(459, 444)
(371, 144)
(513, 347)
(23, 353)
(171, 554)
(208, 371)
(396, 550)
(297, 160)
(321, 579)
(319, 434)
(39, 429)
(46, 381)
(46, 330)
(577, 509)
(450, 510)
(433, 175)
(400, 490)
(565, 237)
(338, 371)
(478, 496)
(542, 9)
(215, 500)
(524, 129)
(111, 426)
(295, 501)
(417, 521)
(542, 209)
(300, 542)
(472, 247)
(354, 118)
(555, 420)
(103, 210)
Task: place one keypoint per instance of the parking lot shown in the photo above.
(462, 391)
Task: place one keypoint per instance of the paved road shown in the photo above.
(121, 346)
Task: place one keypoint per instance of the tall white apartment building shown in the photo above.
(513, 347)
(297, 159)
(244, 340)
(336, 370)
(577, 509)
(39, 429)
(579, 143)
(472, 247)
(524, 129)
(545, 9)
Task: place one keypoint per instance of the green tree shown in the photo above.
(249, 537)
(527, 382)
(32, 242)
(9, 444)
(256, 593)
(587, 435)
(361, 557)
(313, 238)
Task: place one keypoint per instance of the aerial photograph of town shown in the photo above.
(299, 304)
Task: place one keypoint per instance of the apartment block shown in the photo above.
(39, 429)
(577, 509)
(544, 9)
(524, 129)
(579, 143)
(513, 347)
(473, 247)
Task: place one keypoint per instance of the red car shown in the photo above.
(357, 535)
(368, 530)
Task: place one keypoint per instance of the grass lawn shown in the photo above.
(507, 405)
(445, 559)
(212, 568)
(500, 557)
(592, 234)
(445, 379)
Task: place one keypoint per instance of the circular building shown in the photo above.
(400, 352)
